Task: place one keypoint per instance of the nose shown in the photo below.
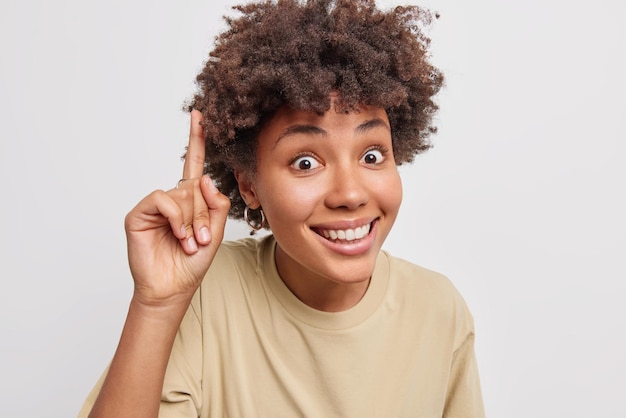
(347, 189)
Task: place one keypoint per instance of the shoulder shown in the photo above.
(419, 278)
(236, 267)
(238, 256)
(428, 293)
(243, 249)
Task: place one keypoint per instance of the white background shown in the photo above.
(520, 203)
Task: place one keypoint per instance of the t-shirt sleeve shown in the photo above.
(181, 395)
(464, 397)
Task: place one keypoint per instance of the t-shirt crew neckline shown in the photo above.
(349, 318)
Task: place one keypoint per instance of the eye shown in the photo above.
(304, 163)
(374, 156)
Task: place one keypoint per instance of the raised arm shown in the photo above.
(172, 238)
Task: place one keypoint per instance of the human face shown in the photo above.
(330, 190)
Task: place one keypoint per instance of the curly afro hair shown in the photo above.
(296, 53)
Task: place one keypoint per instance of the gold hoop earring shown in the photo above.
(255, 224)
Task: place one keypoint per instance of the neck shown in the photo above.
(316, 291)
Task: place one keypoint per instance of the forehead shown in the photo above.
(286, 118)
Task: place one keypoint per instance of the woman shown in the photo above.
(303, 113)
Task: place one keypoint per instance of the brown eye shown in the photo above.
(373, 156)
(305, 163)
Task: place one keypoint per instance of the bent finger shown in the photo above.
(218, 206)
(201, 217)
(154, 211)
(184, 196)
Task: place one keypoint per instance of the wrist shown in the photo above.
(172, 308)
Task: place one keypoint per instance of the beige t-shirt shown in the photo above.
(248, 347)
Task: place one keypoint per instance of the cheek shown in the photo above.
(389, 192)
(284, 201)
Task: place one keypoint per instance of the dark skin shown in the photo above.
(295, 53)
(173, 236)
(172, 239)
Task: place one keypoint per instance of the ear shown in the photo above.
(247, 189)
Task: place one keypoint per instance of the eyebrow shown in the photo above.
(371, 124)
(301, 129)
(316, 130)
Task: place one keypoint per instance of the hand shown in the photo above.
(173, 236)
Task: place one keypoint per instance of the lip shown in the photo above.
(348, 248)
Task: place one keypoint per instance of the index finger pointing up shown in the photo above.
(194, 158)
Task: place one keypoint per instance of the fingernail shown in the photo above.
(192, 244)
(210, 183)
(205, 235)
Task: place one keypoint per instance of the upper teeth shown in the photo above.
(347, 234)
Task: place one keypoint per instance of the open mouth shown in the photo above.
(345, 235)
